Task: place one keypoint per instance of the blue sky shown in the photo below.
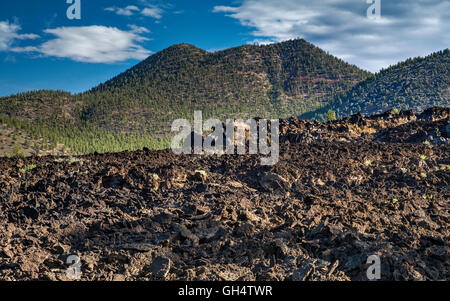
(40, 48)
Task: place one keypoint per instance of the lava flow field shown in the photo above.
(341, 192)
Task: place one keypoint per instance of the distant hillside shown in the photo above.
(136, 108)
(277, 80)
(413, 84)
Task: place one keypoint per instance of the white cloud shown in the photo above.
(138, 29)
(148, 11)
(406, 29)
(154, 12)
(126, 11)
(9, 35)
(225, 9)
(94, 44)
(91, 44)
(261, 42)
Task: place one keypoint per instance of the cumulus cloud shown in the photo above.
(138, 29)
(91, 44)
(95, 44)
(154, 12)
(9, 34)
(126, 11)
(149, 10)
(406, 28)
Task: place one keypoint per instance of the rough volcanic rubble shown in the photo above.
(342, 191)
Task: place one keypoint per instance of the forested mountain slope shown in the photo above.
(136, 108)
(277, 80)
(415, 84)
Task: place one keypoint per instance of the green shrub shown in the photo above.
(331, 116)
(27, 168)
(18, 152)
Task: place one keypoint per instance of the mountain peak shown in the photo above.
(184, 47)
(276, 80)
(269, 81)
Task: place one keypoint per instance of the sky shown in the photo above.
(44, 47)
